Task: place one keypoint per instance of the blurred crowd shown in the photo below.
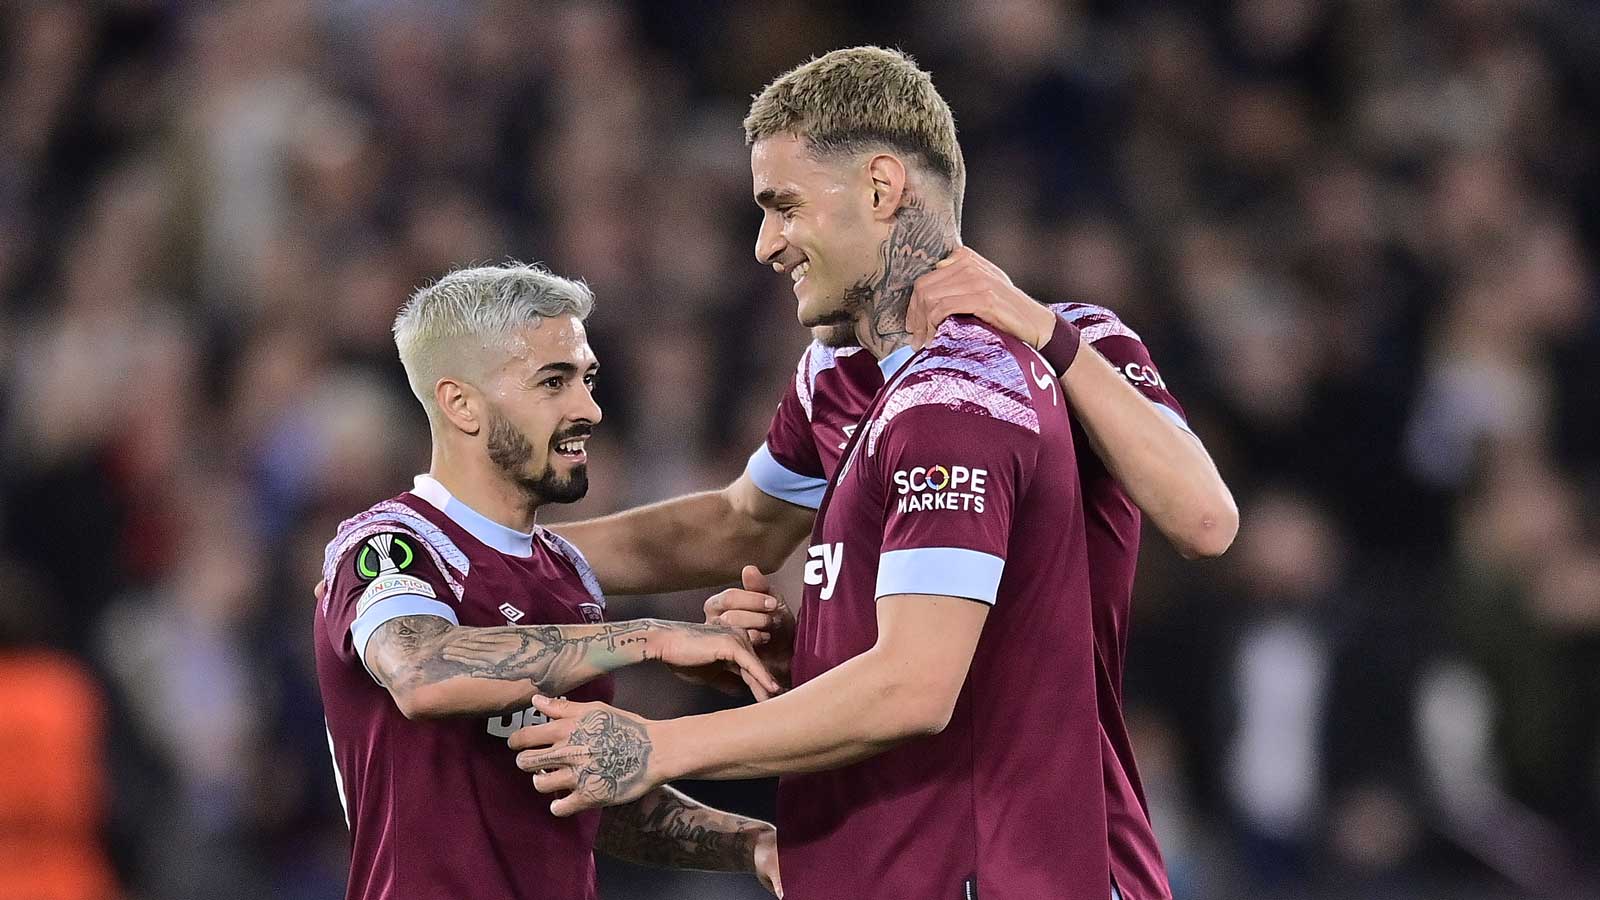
(1359, 237)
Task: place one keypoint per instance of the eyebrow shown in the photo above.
(773, 196)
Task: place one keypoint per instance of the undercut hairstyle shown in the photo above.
(471, 307)
(859, 99)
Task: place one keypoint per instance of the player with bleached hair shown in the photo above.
(447, 608)
(956, 727)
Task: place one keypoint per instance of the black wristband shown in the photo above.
(1062, 348)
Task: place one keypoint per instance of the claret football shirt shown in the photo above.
(438, 809)
(960, 481)
(822, 405)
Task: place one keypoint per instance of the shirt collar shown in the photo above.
(507, 540)
(891, 364)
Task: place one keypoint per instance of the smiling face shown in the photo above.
(541, 410)
(817, 226)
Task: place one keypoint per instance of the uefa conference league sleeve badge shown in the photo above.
(383, 561)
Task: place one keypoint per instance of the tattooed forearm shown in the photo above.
(665, 828)
(420, 650)
(920, 238)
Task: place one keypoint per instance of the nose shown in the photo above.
(769, 240)
(588, 409)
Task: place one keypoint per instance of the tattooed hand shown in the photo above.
(597, 754)
(684, 645)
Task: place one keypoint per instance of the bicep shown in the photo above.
(931, 638)
(396, 645)
(789, 521)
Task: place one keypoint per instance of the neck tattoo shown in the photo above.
(919, 239)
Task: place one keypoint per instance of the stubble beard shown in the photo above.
(510, 451)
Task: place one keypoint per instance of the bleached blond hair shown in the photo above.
(863, 98)
(469, 307)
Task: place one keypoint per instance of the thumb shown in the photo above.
(755, 581)
(554, 707)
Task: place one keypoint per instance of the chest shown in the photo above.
(843, 394)
(537, 590)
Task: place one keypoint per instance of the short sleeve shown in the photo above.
(1132, 359)
(951, 479)
(380, 577)
(1127, 353)
(787, 466)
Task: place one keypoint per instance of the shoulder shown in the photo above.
(396, 517)
(1096, 322)
(968, 369)
(819, 358)
(569, 551)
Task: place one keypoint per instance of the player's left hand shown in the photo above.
(592, 754)
(966, 283)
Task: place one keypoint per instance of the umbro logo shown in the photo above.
(511, 613)
(849, 432)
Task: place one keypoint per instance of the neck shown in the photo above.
(920, 238)
(474, 480)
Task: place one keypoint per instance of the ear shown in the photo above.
(458, 402)
(888, 176)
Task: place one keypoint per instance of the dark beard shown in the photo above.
(920, 238)
(510, 450)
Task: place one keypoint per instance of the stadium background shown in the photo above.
(1360, 238)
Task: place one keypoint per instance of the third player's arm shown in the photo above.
(434, 668)
(665, 828)
(905, 686)
(697, 540)
(1164, 468)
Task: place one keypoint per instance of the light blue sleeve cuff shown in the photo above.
(944, 571)
(393, 608)
(776, 480)
(1174, 416)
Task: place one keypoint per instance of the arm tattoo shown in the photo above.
(664, 828)
(416, 650)
(919, 239)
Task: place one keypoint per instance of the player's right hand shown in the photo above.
(684, 645)
(764, 616)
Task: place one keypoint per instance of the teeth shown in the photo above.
(799, 272)
(571, 446)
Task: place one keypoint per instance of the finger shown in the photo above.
(320, 592)
(736, 599)
(564, 757)
(755, 672)
(571, 805)
(555, 780)
(754, 581)
(559, 707)
(757, 690)
(738, 618)
(758, 638)
(545, 734)
(713, 607)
